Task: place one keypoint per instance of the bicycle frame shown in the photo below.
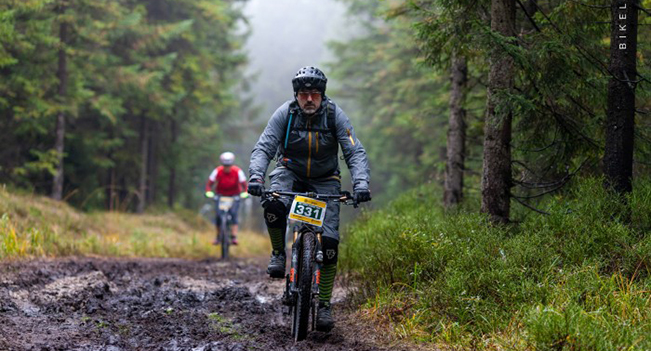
(225, 225)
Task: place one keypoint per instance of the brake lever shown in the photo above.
(345, 196)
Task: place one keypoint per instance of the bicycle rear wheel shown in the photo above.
(304, 284)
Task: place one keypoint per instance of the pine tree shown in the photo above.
(620, 121)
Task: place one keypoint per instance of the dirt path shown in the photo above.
(155, 304)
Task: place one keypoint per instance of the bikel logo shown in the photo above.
(271, 217)
(330, 253)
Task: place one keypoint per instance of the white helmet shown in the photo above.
(227, 158)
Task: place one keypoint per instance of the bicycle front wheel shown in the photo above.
(304, 284)
(225, 237)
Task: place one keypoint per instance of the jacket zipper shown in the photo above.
(309, 150)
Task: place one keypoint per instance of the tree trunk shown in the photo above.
(453, 187)
(496, 177)
(152, 162)
(111, 194)
(144, 151)
(62, 75)
(620, 120)
(171, 189)
(123, 195)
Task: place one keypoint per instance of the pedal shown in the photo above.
(287, 298)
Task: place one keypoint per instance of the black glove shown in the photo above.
(256, 188)
(362, 195)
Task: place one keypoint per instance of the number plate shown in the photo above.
(226, 202)
(308, 210)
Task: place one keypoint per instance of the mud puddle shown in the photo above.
(156, 304)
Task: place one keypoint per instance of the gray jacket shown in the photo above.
(309, 148)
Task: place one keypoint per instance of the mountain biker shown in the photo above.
(230, 180)
(305, 134)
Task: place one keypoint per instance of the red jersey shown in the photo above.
(230, 183)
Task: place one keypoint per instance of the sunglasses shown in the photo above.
(304, 95)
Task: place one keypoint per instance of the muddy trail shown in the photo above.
(157, 304)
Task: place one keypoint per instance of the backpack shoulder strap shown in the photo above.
(331, 117)
(291, 114)
(288, 128)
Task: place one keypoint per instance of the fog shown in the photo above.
(287, 35)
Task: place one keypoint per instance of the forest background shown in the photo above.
(120, 106)
(133, 100)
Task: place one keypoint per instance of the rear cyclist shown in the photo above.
(305, 133)
(227, 180)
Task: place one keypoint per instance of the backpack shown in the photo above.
(330, 116)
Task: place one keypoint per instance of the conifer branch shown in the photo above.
(563, 119)
(542, 185)
(581, 106)
(572, 126)
(628, 80)
(531, 185)
(530, 207)
(642, 9)
(602, 7)
(555, 185)
(642, 136)
(581, 50)
(643, 78)
(535, 25)
(553, 143)
(528, 197)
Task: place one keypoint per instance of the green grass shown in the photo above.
(225, 326)
(32, 226)
(577, 279)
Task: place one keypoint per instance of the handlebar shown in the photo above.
(235, 197)
(345, 197)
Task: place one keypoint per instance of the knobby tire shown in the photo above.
(304, 285)
(225, 236)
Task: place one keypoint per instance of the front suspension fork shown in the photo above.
(291, 277)
(316, 280)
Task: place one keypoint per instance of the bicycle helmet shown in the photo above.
(309, 77)
(227, 158)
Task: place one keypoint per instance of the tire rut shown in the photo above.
(152, 304)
